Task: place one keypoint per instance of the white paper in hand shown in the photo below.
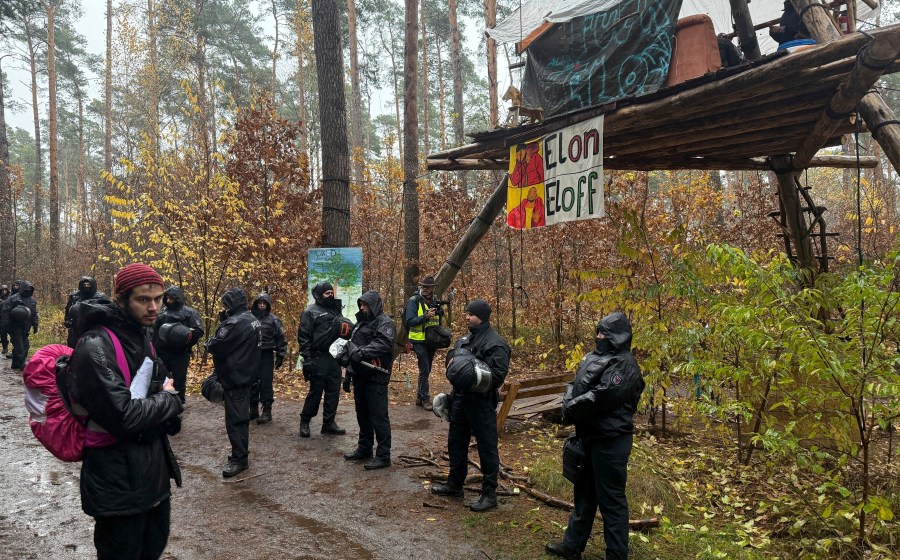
(140, 384)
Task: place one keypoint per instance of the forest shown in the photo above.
(220, 140)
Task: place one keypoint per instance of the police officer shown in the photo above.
(172, 344)
(475, 412)
(601, 402)
(272, 348)
(18, 314)
(3, 329)
(420, 313)
(4, 339)
(236, 361)
(315, 335)
(371, 357)
(87, 289)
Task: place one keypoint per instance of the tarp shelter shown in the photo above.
(588, 52)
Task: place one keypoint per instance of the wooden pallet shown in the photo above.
(526, 391)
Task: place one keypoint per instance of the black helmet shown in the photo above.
(19, 314)
(212, 390)
(466, 372)
(175, 335)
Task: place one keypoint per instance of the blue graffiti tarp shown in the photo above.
(593, 59)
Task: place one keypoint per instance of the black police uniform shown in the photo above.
(272, 348)
(373, 343)
(236, 360)
(315, 335)
(601, 402)
(87, 290)
(177, 359)
(18, 330)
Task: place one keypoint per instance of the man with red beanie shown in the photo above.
(127, 460)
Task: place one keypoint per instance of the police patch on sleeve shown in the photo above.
(222, 332)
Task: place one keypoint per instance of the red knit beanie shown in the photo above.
(135, 274)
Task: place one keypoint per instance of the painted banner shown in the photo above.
(557, 178)
(343, 268)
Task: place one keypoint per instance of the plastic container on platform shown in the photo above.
(797, 45)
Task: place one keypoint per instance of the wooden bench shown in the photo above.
(552, 386)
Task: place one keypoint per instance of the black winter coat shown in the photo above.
(315, 334)
(79, 295)
(131, 476)
(602, 399)
(177, 313)
(374, 339)
(271, 331)
(489, 347)
(234, 348)
(24, 297)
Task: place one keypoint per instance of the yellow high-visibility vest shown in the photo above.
(417, 333)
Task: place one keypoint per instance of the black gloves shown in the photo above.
(278, 361)
(355, 354)
(308, 370)
(34, 328)
(172, 426)
(346, 384)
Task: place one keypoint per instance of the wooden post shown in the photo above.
(470, 239)
(507, 405)
(792, 211)
(873, 109)
(873, 60)
(743, 28)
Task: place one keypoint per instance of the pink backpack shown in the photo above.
(60, 424)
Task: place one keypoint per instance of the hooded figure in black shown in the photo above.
(174, 348)
(4, 294)
(601, 402)
(371, 356)
(315, 336)
(87, 289)
(18, 314)
(475, 413)
(236, 361)
(272, 348)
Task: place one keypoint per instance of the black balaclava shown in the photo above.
(318, 293)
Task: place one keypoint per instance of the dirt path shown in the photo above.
(305, 503)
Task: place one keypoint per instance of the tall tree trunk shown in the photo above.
(426, 147)
(456, 66)
(7, 241)
(441, 95)
(490, 20)
(301, 85)
(411, 141)
(82, 190)
(274, 85)
(332, 111)
(154, 88)
(356, 153)
(107, 94)
(50, 8)
(38, 157)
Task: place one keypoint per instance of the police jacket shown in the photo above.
(21, 298)
(373, 339)
(177, 313)
(602, 399)
(315, 334)
(131, 476)
(489, 347)
(271, 332)
(234, 348)
(79, 295)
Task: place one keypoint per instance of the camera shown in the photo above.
(438, 306)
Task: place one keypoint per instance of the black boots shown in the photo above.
(485, 502)
(235, 467)
(266, 415)
(559, 549)
(448, 489)
(254, 411)
(377, 463)
(358, 455)
(304, 428)
(333, 429)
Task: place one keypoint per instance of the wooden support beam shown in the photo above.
(471, 237)
(467, 164)
(743, 27)
(792, 215)
(873, 59)
(872, 107)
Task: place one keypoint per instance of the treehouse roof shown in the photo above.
(734, 118)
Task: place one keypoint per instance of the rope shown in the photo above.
(804, 10)
(874, 130)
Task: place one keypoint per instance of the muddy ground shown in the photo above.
(304, 501)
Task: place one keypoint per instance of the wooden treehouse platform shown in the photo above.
(784, 104)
